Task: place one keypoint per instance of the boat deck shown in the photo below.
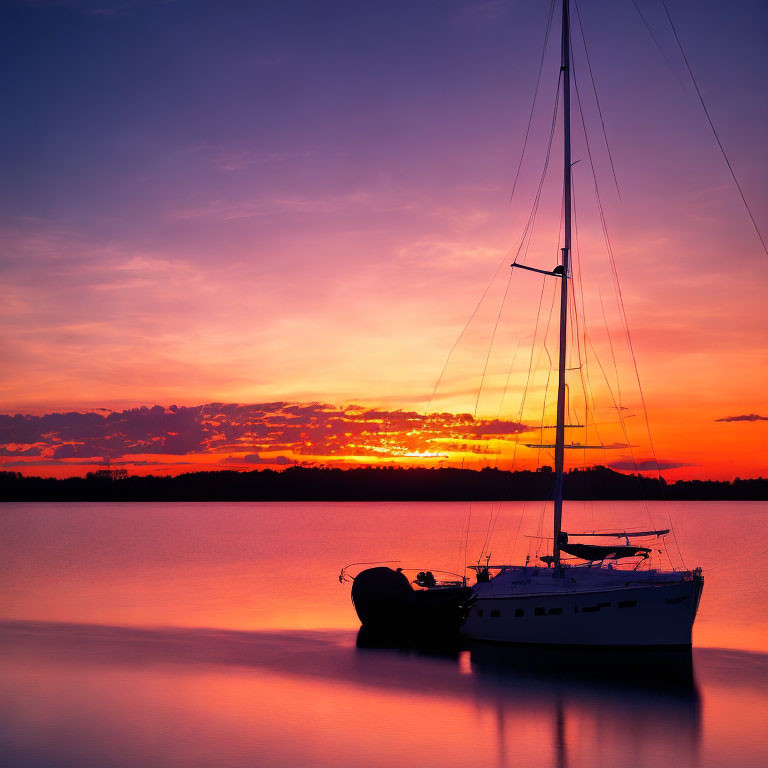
(520, 580)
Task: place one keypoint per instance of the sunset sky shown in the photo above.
(277, 217)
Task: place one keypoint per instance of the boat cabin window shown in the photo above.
(519, 612)
(627, 603)
(540, 612)
(480, 612)
(495, 614)
(555, 611)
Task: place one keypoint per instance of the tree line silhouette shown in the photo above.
(372, 484)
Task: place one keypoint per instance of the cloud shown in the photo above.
(646, 465)
(255, 458)
(18, 449)
(303, 429)
(744, 417)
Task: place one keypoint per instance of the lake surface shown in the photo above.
(219, 635)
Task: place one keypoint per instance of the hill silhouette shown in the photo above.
(372, 484)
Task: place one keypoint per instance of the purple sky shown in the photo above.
(242, 202)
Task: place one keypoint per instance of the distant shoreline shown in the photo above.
(374, 484)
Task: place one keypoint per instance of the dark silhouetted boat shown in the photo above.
(602, 596)
(388, 603)
(604, 593)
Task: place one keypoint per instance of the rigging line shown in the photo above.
(546, 333)
(509, 374)
(714, 131)
(463, 331)
(530, 363)
(545, 348)
(535, 96)
(658, 45)
(493, 527)
(597, 100)
(528, 231)
(613, 399)
(485, 540)
(489, 531)
(614, 271)
(625, 322)
(461, 546)
(625, 433)
(521, 241)
(498, 416)
(586, 351)
(541, 296)
(532, 216)
(584, 364)
(581, 354)
(529, 227)
(491, 521)
(620, 297)
(544, 403)
(623, 313)
(490, 345)
(517, 534)
(586, 383)
(466, 540)
(540, 529)
(594, 409)
(610, 344)
(574, 319)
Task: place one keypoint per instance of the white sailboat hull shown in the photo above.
(652, 615)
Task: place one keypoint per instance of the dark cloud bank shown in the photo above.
(646, 465)
(744, 417)
(308, 429)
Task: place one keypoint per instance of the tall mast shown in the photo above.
(565, 68)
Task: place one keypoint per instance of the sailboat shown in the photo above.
(583, 593)
(593, 598)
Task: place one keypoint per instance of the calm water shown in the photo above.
(218, 635)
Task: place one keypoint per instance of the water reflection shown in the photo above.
(610, 701)
(113, 694)
(622, 702)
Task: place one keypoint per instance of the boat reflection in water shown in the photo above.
(631, 701)
(127, 696)
(626, 707)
